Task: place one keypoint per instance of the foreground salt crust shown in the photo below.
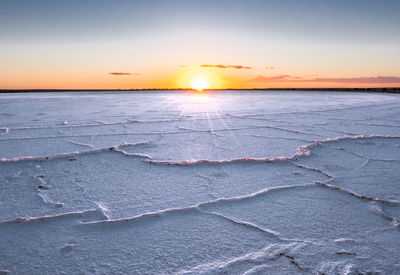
(232, 182)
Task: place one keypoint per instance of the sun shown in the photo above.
(199, 83)
(197, 78)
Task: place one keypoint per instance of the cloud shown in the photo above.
(363, 80)
(276, 78)
(237, 67)
(349, 80)
(121, 73)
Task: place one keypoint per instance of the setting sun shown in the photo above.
(199, 83)
(197, 78)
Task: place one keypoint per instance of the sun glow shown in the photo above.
(199, 83)
(197, 78)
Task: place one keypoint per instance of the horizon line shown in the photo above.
(381, 89)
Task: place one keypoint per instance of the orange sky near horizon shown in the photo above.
(218, 76)
(183, 78)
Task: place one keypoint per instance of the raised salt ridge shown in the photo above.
(227, 182)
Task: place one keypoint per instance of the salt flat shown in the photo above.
(180, 182)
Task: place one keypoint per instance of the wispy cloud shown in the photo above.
(349, 80)
(122, 73)
(237, 67)
(364, 80)
(276, 78)
(119, 73)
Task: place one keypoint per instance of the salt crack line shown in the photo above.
(90, 136)
(355, 154)
(335, 139)
(188, 118)
(209, 182)
(197, 207)
(383, 160)
(312, 111)
(364, 197)
(287, 138)
(63, 125)
(50, 217)
(210, 161)
(88, 125)
(268, 253)
(254, 194)
(382, 213)
(242, 128)
(211, 131)
(88, 152)
(379, 124)
(151, 214)
(81, 144)
(341, 132)
(367, 159)
(246, 224)
(266, 126)
(138, 143)
(292, 261)
(302, 166)
(304, 150)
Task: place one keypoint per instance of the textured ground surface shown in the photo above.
(178, 182)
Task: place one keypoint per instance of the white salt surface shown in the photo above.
(179, 182)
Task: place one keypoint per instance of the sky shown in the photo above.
(121, 44)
